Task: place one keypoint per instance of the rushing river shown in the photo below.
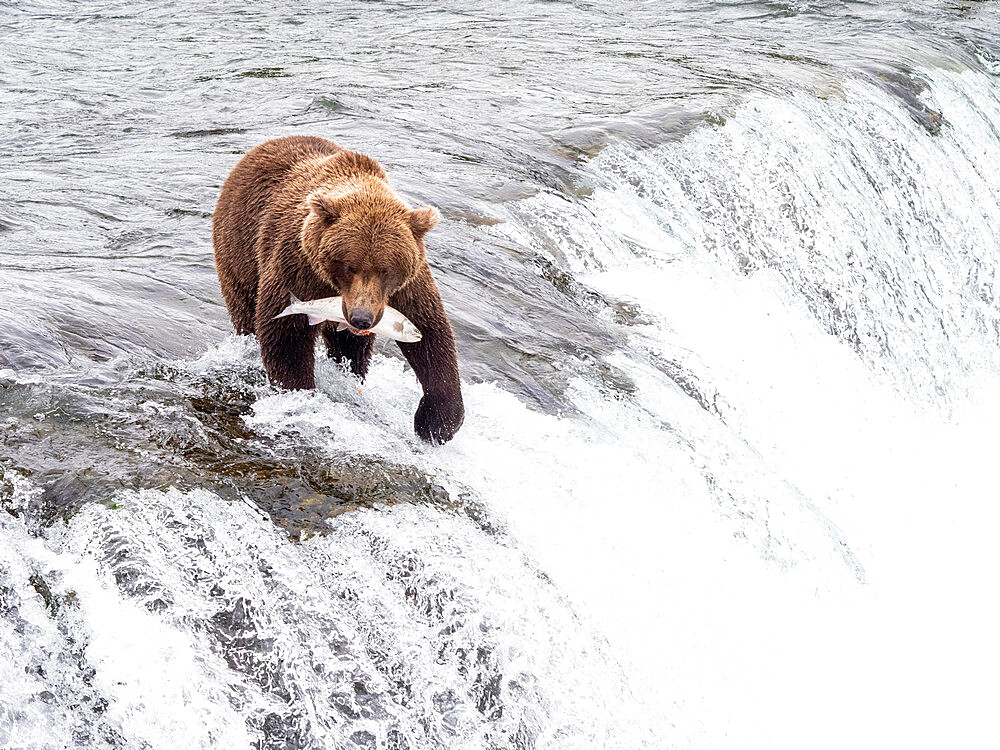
(724, 282)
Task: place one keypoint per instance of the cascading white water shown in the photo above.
(819, 273)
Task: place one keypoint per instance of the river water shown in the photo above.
(724, 286)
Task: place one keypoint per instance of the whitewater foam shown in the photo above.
(817, 275)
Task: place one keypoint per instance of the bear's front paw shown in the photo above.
(438, 419)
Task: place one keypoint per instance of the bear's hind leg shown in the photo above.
(286, 347)
(345, 346)
(240, 295)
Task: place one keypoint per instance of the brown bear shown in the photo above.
(301, 215)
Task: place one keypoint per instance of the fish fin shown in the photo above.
(314, 319)
(295, 300)
(339, 326)
(287, 311)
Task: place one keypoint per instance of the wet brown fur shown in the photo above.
(301, 215)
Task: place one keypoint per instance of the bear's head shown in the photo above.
(365, 242)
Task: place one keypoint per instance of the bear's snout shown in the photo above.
(364, 302)
(361, 320)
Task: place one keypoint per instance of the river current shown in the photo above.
(724, 283)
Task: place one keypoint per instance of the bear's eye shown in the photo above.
(351, 270)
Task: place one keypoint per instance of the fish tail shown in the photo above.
(292, 302)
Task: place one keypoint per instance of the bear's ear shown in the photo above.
(423, 220)
(324, 205)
